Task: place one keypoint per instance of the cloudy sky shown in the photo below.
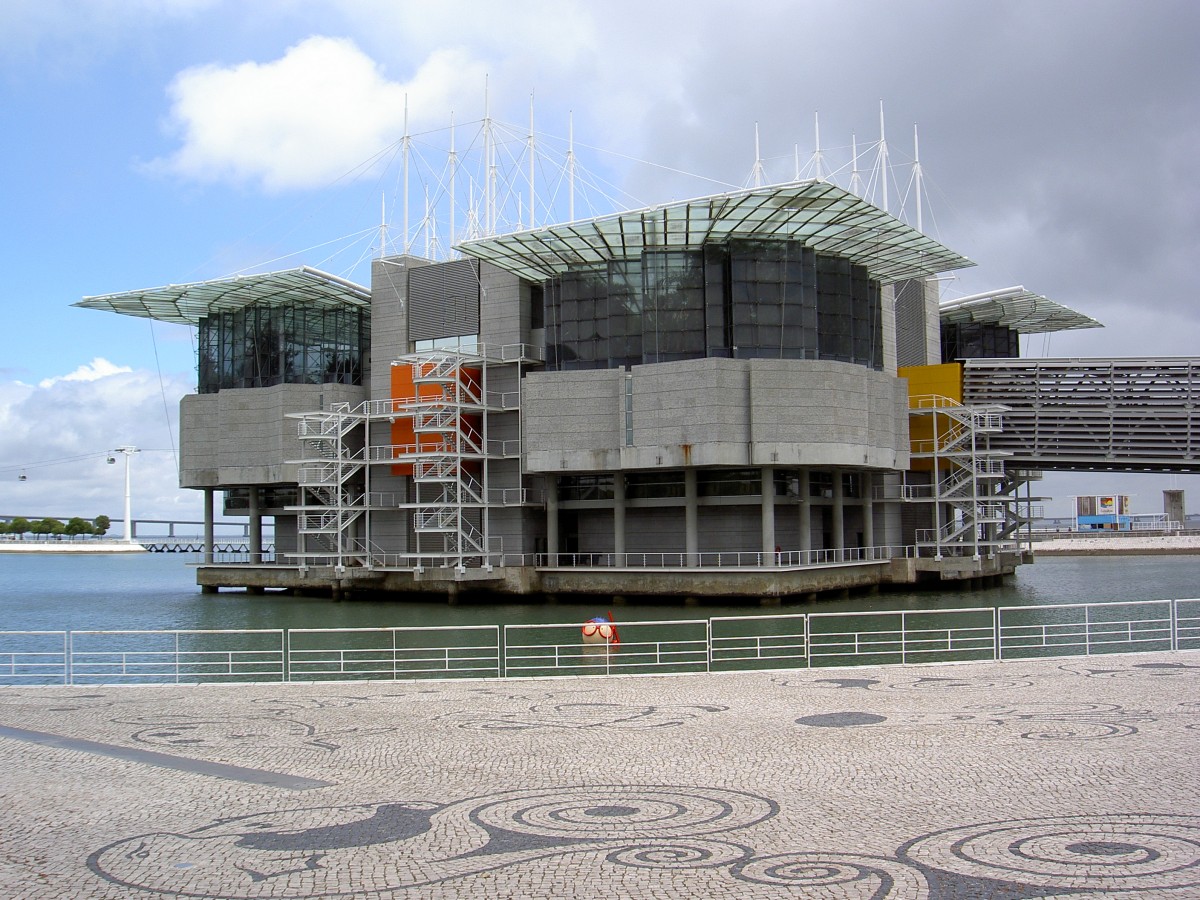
(146, 143)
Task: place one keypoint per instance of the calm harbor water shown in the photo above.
(158, 591)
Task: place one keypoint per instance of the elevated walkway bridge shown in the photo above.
(1085, 415)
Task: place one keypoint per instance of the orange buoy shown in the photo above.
(600, 631)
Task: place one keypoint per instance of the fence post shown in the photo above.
(997, 650)
(68, 652)
(1175, 624)
(285, 646)
(501, 650)
(903, 638)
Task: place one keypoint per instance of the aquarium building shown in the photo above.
(738, 395)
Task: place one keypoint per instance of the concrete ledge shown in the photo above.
(69, 547)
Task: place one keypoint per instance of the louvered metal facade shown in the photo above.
(1135, 415)
(443, 300)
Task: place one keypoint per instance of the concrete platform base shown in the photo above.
(537, 584)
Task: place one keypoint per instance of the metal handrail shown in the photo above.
(803, 640)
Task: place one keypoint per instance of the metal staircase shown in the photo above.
(331, 494)
(450, 506)
(448, 487)
(974, 503)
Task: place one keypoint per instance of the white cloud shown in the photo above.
(305, 119)
(95, 370)
(60, 432)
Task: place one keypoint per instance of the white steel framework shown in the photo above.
(975, 505)
(454, 483)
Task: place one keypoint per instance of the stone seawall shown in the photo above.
(1105, 545)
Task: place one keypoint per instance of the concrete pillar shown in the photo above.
(209, 537)
(805, 513)
(619, 518)
(691, 530)
(768, 516)
(839, 512)
(1173, 506)
(255, 527)
(552, 519)
(867, 482)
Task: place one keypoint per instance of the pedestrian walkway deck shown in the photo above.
(1028, 778)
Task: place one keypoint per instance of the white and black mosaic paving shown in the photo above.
(1006, 780)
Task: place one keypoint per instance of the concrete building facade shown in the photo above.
(701, 398)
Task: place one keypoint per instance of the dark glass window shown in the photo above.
(673, 313)
(641, 485)
(729, 483)
(851, 485)
(979, 340)
(585, 487)
(237, 500)
(749, 299)
(259, 346)
(624, 313)
(820, 484)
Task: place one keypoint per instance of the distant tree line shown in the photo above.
(43, 527)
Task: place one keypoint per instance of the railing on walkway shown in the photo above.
(717, 644)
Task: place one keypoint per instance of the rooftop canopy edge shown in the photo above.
(1023, 311)
(187, 304)
(820, 215)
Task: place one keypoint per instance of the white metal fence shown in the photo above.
(722, 643)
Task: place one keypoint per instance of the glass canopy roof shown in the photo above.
(1023, 311)
(818, 214)
(187, 304)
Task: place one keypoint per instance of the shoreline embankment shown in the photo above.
(93, 546)
(1118, 545)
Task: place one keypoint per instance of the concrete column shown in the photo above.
(867, 483)
(768, 516)
(839, 512)
(619, 518)
(255, 528)
(691, 531)
(209, 539)
(552, 518)
(805, 513)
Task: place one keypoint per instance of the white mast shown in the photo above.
(453, 163)
(427, 249)
(128, 451)
(818, 163)
(883, 159)
(489, 212)
(570, 165)
(796, 159)
(532, 150)
(382, 226)
(855, 179)
(917, 176)
(756, 174)
(404, 145)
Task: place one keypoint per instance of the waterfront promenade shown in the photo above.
(1053, 777)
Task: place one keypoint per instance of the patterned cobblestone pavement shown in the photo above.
(1071, 778)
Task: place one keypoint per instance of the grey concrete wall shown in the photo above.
(242, 436)
(717, 412)
(573, 421)
(503, 308)
(389, 317)
(655, 530)
(887, 303)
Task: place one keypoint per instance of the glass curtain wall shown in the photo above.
(979, 340)
(743, 299)
(260, 346)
